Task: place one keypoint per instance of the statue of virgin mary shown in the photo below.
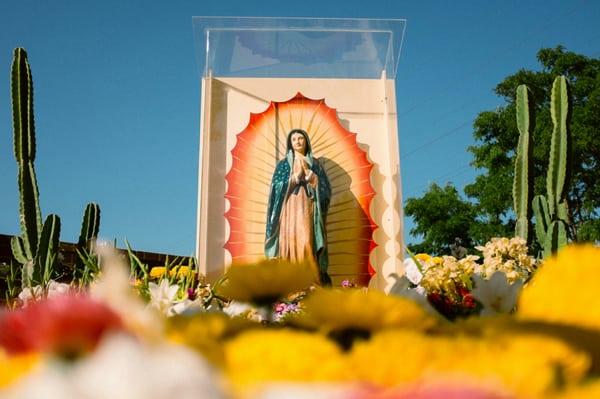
(298, 202)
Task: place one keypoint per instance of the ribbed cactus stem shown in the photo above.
(542, 218)
(556, 237)
(557, 167)
(24, 147)
(48, 248)
(90, 224)
(18, 250)
(522, 189)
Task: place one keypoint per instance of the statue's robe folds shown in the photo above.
(296, 215)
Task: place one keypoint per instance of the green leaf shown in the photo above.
(414, 258)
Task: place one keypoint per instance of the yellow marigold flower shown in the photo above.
(437, 260)
(261, 356)
(564, 289)
(334, 310)
(590, 389)
(527, 364)
(423, 258)
(13, 368)
(181, 271)
(266, 281)
(204, 332)
(157, 272)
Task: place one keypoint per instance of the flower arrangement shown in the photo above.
(464, 287)
(508, 256)
(341, 342)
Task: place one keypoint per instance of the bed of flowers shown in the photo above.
(499, 326)
(496, 324)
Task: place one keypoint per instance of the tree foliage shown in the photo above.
(496, 137)
(440, 216)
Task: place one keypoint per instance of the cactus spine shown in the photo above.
(523, 181)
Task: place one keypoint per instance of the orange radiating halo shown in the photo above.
(257, 150)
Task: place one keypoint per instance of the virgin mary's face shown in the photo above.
(299, 143)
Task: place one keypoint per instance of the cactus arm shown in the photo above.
(18, 250)
(24, 148)
(48, 248)
(542, 217)
(90, 224)
(522, 189)
(22, 106)
(557, 168)
(562, 211)
(556, 237)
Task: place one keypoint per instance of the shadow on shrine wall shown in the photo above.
(349, 229)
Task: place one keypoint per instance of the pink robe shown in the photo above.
(296, 222)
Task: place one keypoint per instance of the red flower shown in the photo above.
(469, 301)
(67, 325)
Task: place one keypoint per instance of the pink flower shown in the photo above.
(435, 390)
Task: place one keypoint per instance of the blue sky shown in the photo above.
(117, 91)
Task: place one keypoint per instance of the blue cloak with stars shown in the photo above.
(279, 193)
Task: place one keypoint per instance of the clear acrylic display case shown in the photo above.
(334, 78)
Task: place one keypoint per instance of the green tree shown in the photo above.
(497, 137)
(439, 212)
(441, 216)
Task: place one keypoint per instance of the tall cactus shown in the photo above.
(551, 212)
(523, 181)
(30, 218)
(37, 246)
(558, 170)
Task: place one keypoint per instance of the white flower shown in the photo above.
(411, 271)
(163, 297)
(235, 308)
(123, 368)
(114, 289)
(506, 255)
(53, 289)
(496, 294)
(402, 288)
(186, 306)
